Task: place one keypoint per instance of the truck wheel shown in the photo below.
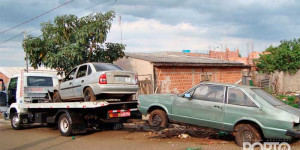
(158, 118)
(88, 95)
(16, 121)
(56, 97)
(5, 116)
(64, 125)
(246, 133)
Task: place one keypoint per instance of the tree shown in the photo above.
(70, 41)
(285, 57)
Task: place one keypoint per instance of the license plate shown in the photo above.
(120, 114)
(125, 114)
(122, 79)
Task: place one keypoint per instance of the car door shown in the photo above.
(80, 81)
(204, 108)
(66, 86)
(240, 105)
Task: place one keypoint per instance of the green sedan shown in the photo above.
(250, 113)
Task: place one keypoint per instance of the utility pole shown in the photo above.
(27, 59)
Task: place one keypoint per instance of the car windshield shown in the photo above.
(39, 81)
(105, 67)
(268, 97)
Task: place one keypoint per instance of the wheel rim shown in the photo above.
(16, 121)
(247, 136)
(156, 120)
(64, 125)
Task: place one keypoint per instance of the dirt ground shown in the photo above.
(41, 137)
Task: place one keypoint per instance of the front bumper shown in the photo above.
(293, 134)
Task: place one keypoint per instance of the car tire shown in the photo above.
(56, 97)
(15, 121)
(65, 125)
(246, 133)
(88, 95)
(158, 118)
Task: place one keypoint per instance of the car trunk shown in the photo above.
(290, 109)
(120, 77)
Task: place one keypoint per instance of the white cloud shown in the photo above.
(148, 35)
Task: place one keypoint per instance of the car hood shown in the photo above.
(290, 109)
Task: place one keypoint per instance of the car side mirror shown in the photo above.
(188, 95)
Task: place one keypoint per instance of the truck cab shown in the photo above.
(30, 88)
(26, 88)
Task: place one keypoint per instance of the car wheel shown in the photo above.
(246, 133)
(64, 125)
(158, 118)
(56, 97)
(88, 95)
(16, 121)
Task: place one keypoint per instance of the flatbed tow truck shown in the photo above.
(70, 117)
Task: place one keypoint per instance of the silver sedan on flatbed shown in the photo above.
(92, 81)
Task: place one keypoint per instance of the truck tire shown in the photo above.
(15, 121)
(88, 95)
(5, 116)
(246, 133)
(65, 125)
(158, 118)
(56, 97)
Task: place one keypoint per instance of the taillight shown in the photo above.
(136, 79)
(102, 79)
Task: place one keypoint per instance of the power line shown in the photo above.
(16, 36)
(42, 15)
(36, 17)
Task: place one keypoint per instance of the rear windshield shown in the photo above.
(268, 97)
(106, 67)
(39, 81)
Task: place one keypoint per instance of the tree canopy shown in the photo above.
(70, 41)
(285, 57)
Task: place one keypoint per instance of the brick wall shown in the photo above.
(4, 77)
(178, 79)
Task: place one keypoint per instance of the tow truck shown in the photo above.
(71, 117)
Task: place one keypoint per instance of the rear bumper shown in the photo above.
(114, 88)
(293, 134)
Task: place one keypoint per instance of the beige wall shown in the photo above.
(138, 66)
(286, 82)
(280, 82)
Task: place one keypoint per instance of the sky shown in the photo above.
(162, 25)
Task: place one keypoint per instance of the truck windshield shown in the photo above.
(106, 67)
(268, 97)
(39, 81)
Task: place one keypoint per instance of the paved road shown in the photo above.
(49, 139)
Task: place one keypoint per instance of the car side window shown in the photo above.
(89, 70)
(70, 76)
(238, 97)
(214, 93)
(81, 71)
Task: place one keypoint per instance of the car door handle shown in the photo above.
(70, 83)
(82, 81)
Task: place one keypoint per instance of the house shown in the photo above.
(7, 72)
(234, 56)
(170, 72)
